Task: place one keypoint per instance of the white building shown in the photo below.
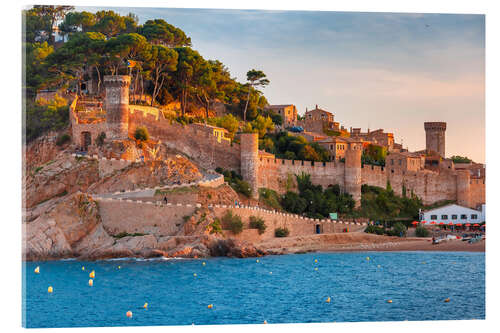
(455, 214)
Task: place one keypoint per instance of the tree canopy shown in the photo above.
(157, 55)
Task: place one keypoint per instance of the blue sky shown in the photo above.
(376, 70)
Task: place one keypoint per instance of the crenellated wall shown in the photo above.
(373, 175)
(279, 174)
(266, 171)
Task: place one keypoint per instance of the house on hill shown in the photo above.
(288, 113)
(319, 120)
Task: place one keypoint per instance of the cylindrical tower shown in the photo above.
(250, 160)
(435, 137)
(116, 106)
(463, 188)
(352, 173)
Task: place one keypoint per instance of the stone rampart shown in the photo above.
(198, 145)
(167, 219)
(279, 174)
(129, 216)
(373, 175)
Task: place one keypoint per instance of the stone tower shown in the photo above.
(116, 106)
(352, 173)
(463, 188)
(435, 137)
(250, 160)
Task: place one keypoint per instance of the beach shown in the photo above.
(357, 242)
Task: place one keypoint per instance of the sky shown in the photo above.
(371, 70)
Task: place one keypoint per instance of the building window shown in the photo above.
(454, 216)
(444, 217)
(400, 162)
(473, 216)
(434, 217)
(463, 217)
(392, 162)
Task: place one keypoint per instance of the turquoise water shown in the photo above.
(243, 291)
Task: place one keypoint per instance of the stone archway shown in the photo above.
(86, 140)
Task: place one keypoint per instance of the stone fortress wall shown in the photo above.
(200, 146)
(263, 170)
(168, 219)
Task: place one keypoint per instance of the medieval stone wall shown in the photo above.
(78, 129)
(198, 145)
(279, 174)
(147, 218)
(373, 175)
(477, 192)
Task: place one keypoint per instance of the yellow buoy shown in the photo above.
(145, 306)
(83, 268)
(210, 306)
(119, 267)
(203, 264)
(447, 300)
(129, 314)
(265, 321)
(92, 274)
(316, 260)
(367, 258)
(378, 266)
(91, 282)
(270, 272)
(316, 268)
(328, 300)
(50, 290)
(389, 301)
(37, 269)
(257, 260)
(194, 275)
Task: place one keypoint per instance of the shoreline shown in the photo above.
(411, 245)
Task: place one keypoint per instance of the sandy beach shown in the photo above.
(355, 242)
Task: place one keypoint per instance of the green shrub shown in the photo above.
(141, 133)
(421, 231)
(258, 223)
(281, 232)
(373, 229)
(232, 222)
(215, 227)
(236, 181)
(63, 139)
(399, 229)
(100, 139)
(270, 198)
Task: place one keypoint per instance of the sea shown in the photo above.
(295, 288)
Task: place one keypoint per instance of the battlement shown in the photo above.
(438, 125)
(116, 80)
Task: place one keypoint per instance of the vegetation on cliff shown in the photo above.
(236, 181)
(287, 146)
(374, 155)
(460, 159)
(316, 202)
(381, 204)
(157, 55)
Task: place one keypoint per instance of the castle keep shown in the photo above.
(431, 178)
(435, 137)
(116, 106)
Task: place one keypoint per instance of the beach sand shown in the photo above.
(357, 242)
